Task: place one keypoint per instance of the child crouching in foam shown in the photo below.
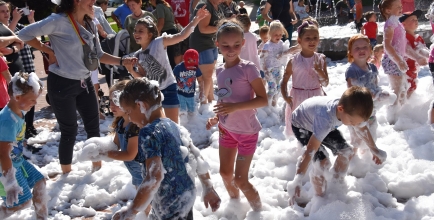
(166, 185)
(18, 176)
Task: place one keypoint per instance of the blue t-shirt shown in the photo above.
(161, 138)
(12, 129)
(186, 79)
(122, 12)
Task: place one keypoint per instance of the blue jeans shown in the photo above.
(373, 42)
(290, 29)
(187, 103)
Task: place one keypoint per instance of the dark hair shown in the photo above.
(21, 81)
(141, 89)
(65, 6)
(308, 24)
(357, 100)
(229, 26)
(368, 15)
(385, 4)
(150, 25)
(120, 86)
(101, 2)
(163, 2)
(244, 19)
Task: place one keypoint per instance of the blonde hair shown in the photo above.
(276, 26)
(378, 47)
(351, 43)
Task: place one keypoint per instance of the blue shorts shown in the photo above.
(135, 169)
(170, 97)
(373, 42)
(262, 74)
(27, 180)
(187, 103)
(208, 56)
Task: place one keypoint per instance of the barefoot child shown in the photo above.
(308, 70)
(314, 124)
(240, 92)
(18, 176)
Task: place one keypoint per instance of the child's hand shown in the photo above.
(422, 61)
(211, 122)
(123, 214)
(296, 194)
(379, 157)
(225, 108)
(293, 188)
(202, 13)
(402, 65)
(212, 199)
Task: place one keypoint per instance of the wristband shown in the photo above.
(121, 62)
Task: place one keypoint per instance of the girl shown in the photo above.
(364, 74)
(249, 51)
(166, 184)
(271, 60)
(393, 60)
(153, 61)
(301, 10)
(377, 55)
(308, 69)
(240, 92)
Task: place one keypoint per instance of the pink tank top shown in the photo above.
(399, 41)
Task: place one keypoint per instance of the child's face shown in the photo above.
(116, 110)
(395, 8)
(411, 23)
(142, 34)
(230, 45)
(241, 4)
(361, 50)
(134, 114)
(264, 37)
(379, 53)
(134, 7)
(276, 36)
(309, 41)
(27, 101)
(373, 18)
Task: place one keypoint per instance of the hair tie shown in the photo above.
(303, 25)
(227, 24)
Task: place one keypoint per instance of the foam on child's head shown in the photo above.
(141, 90)
(22, 83)
(229, 26)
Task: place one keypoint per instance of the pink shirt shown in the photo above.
(399, 41)
(233, 87)
(250, 51)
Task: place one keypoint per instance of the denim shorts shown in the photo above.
(135, 169)
(208, 56)
(170, 97)
(187, 104)
(373, 42)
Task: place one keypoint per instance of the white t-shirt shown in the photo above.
(155, 62)
(317, 115)
(250, 51)
(270, 51)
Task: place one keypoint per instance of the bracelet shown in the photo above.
(121, 62)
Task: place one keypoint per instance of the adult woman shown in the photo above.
(202, 41)
(229, 8)
(282, 11)
(166, 23)
(130, 21)
(69, 86)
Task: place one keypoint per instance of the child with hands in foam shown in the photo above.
(393, 61)
(18, 176)
(364, 74)
(153, 61)
(240, 92)
(308, 70)
(167, 184)
(315, 124)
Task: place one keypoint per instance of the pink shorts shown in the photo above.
(246, 143)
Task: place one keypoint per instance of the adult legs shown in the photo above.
(207, 73)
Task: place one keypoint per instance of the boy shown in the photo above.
(370, 28)
(341, 8)
(242, 10)
(259, 19)
(416, 51)
(315, 123)
(186, 74)
(18, 176)
(358, 8)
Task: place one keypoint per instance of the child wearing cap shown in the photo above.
(186, 74)
(416, 53)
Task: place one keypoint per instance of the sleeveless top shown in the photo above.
(199, 41)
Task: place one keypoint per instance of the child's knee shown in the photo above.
(226, 175)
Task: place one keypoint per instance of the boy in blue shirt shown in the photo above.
(186, 74)
(18, 176)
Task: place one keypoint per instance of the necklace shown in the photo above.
(137, 16)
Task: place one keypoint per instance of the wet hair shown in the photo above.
(141, 89)
(65, 6)
(22, 84)
(351, 43)
(383, 6)
(307, 25)
(244, 19)
(120, 86)
(357, 101)
(229, 26)
(149, 23)
(368, 15)
(378, 47)
(264, 30)
(276, 26)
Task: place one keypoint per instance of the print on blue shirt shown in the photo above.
(186, 79)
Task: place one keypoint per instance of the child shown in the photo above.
(240, 92)
(186, 74)
(249, 51)
(5, 78)
(417, 53)
(264, 35)
(18, 176)
(308, 70)
(378, 52)
(271, 60)
(301, 10)
(393, 61)
(314, 124)
(167, 184)
(358, 8)
(260, 20)
(430, 16)
(370, 28)
(242, 10)
(364, 74)
(153, 61)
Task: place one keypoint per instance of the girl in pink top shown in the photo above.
(393, 61)
(308, 70)
(240, 92)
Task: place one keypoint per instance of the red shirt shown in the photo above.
(413, 41)
(4, 97)
(371, 29)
